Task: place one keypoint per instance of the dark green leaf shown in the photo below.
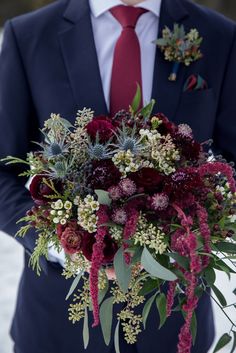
(122, 270)
(210, 276)
(223, 341)
(74, 284)
(226, 247)
(85, 329)
(234, 343)
(147, 308)
(103, 197)
(116, 337)
(161, 306)
(181, 260)
(137, 99)
(219, 295)
(149, 285)
(154, 268)
(194, 327)
(137, 255)
(147, 110)
(106, 319)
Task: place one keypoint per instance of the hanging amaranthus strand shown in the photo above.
(97, 259)
(130, 229)
(205, 232)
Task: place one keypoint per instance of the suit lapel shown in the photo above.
(80, 57)
(165, 92)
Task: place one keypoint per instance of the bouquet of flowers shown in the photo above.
(136, 193)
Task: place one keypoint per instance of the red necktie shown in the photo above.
(126, 70)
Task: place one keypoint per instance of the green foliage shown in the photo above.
(74, 284)
(223, 341)
(154, 268)
(161, 307)
(85, 329)
(103, 197)
(147, 308)
(122, 270)
(106, 314)
(41, 249)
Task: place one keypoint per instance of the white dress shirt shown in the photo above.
(106, 30)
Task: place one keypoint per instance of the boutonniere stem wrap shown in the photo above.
(179, 47)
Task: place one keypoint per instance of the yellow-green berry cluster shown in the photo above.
(87, 209)
(81, 302)
(150, 235)
(61, 211)
(131, 325)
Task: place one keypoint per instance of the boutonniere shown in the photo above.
(180, 47)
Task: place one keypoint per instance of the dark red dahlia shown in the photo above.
(109, 251)
(148, 179)
(39, 190)
(72, 238)
(104, 174)
(102, 127)
(166, 127)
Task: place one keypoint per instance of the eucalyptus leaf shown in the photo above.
(223, 341)
(85, 329)
(137, 99)
(210, 276)
(116, 338)
(103, 197)
(149, 286)
(106, 311)
(154, 268)
(74, 284)
(234, 343)
(147, 308)
(103, 292)
(161, 306)
(194, 327)
(122, 270)
(226, 247)
(181, 260)
(219, 295)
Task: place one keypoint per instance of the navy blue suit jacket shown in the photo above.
(48, 64)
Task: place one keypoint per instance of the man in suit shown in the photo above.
(61, 59)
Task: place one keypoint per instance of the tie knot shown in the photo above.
(127, 15)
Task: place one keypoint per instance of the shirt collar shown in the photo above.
(99, 7)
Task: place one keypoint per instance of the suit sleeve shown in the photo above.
(225, 130)
(18, 127)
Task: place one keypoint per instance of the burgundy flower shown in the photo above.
(148, 179)
(166, 127)
(104, 174)
(39, 190)
(183, 182)
(72, 238)
(109, 251)
(100, 126)
(189, 148)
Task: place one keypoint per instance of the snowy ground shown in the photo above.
(11, 255)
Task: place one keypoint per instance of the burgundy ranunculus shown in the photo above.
(104, 174)
(109, 251)
(148, 179)
(100, 126)
(39, 190)
(72, 238)
(166, 127)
